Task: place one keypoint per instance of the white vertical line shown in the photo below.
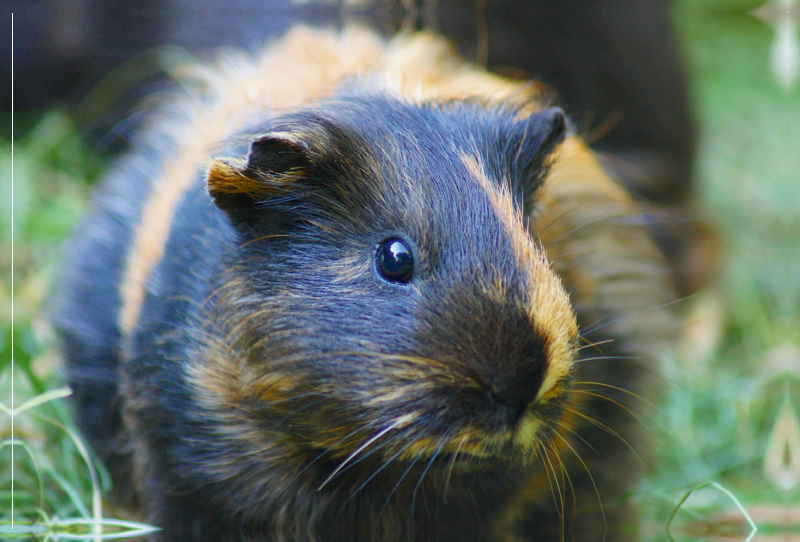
(12, 271)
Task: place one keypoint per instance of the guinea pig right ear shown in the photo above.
(273, 166)
(534, 140)
(542, 132)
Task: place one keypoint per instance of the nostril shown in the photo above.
(518, 397)
(494, 396)
(512, 406)
(518, 390)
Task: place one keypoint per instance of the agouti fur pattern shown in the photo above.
(354, 290)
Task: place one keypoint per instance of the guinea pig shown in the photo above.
(354, 290)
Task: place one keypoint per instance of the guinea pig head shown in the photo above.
(386, 300)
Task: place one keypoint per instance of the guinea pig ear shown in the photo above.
(540, 133)
(553, 129)
(273, 166)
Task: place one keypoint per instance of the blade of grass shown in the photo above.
(753, 526)
(40, 399)
(17, 442)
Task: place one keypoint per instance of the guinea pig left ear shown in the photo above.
(275, 163)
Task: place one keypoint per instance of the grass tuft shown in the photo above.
(57, 486)
(741, 508)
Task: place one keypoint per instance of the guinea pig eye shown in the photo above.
(395, 261)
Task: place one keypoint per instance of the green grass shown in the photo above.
(717, 422)
(56, 485)
(739, 366)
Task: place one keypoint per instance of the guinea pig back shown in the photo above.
(356, 290)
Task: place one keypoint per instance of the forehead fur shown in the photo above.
(385, 156)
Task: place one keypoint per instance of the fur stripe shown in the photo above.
(304, 66)
(548, 306)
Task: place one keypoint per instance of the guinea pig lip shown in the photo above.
(491, 457)
(466, 460)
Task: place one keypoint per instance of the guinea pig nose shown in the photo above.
(518, 389)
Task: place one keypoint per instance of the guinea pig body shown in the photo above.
(338, 295)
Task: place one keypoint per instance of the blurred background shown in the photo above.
(693, 104)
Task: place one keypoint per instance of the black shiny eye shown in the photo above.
(395, 261)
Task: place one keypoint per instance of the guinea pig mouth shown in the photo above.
(487, 447)
(464, 461)
(493, 456)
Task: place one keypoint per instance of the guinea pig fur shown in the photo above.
(354, 290)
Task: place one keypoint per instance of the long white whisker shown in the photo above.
(424, 472)
(397, 485)
(379, 469)
(358, 451)
(450, 469)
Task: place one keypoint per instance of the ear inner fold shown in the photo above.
(225, 179)
(274, 163)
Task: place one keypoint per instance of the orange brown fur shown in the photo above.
(422, 66)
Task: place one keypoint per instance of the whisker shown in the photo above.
(563, 514)
(372, 451)
(565, 472)
(583, 392)
(610, 358)
(638, 364)
(623, 390)
(575, 208)
(561, 237)
(397, 485)
(607, 429)
(566, 255)
(597, 492)
(593, 324)
(379, 469)
(540, 453)
(594, 344)
(578, 436)
(586, 332)
(450, 468)
(559, 507)
(323, 452)
(358, 451)
(435, 454)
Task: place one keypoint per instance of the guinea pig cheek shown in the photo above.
(553, 319)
